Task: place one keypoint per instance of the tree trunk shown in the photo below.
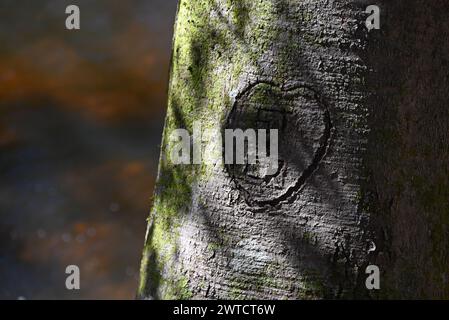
(363, 147)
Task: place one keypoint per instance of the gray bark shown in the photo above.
(363, 143)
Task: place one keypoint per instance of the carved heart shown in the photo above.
(304, 132)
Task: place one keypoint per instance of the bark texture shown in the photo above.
(363, 130)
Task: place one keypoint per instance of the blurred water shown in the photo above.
(81, 115)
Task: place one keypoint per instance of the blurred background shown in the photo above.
(81, 117)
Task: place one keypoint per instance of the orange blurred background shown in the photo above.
(81, 116)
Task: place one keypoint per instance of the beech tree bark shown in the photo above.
(363, 142)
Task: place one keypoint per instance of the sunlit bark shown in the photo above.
(363, 132)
